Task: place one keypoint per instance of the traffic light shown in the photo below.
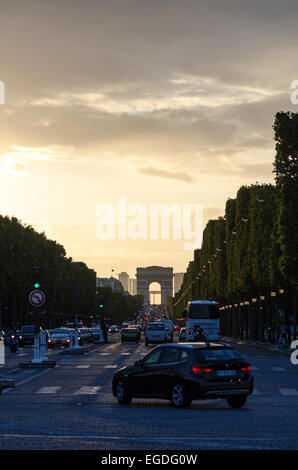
(36, 285)
(101, 303)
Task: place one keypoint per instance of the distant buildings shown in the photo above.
(112, 282)
(125, 281)
(129, 284)
(178, 279)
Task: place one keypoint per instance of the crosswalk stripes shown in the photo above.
(125, 354)
(290, 392)
(83, 366)
(48, 390)
(87, 390)
(111, 366)
(104, 354)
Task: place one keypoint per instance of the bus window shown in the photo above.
(203, 311)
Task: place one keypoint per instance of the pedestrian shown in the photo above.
(104, 330)
(200, 334)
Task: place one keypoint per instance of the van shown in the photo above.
(156, 333)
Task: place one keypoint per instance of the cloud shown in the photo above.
(180, 176)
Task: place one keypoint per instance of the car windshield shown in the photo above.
(156, 327)
(96, 330)
(27, 329)
(221, 354)
(58, 331)
(60, 335)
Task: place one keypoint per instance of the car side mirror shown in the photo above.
(139, 363)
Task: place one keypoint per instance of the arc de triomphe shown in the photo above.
(164, 276)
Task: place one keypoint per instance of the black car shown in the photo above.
(26, 334)
(183, 372)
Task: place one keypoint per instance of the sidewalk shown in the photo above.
(266, 346)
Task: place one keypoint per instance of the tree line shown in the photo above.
(251, 252)
(29, 258)
(117, 306)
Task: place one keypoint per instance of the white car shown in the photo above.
(156, 333)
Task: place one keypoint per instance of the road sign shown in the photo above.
(37, 298)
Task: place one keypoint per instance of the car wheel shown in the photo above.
(237, 402)
(123, 397)
(179, 396)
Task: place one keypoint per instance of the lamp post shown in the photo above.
(274, 337)
(261, 318)
(254, 301)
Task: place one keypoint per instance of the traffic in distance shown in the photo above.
(186, 363)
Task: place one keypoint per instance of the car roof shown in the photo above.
(196, 345)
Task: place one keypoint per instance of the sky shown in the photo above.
(159, 102)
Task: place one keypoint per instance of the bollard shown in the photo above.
(43, 346)
(76, 345)
(71, 341)
(36, 356)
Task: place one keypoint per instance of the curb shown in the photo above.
(284, 352)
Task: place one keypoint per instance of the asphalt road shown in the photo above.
(72, 407)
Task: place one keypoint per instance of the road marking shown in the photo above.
(104, 354)
(111, 367)
(28, 380)
(290, 392)
(83, 367)
(23, 354)
(279, 369)
(256, 392)
(87, 390)
(97, 349)
(125, 354)
(48, 390)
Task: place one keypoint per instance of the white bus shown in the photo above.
(204, 314)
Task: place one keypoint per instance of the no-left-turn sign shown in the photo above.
(37, 298)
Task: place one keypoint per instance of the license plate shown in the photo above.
(155, 336)
(225, 372)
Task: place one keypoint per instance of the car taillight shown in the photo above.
(146, 337)
(201, 369)
(246, 368)
(165, 336)
(219, 332)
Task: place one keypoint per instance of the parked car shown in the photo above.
(26, 334)
(185, 372)
(130, 334)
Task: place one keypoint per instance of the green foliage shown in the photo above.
(26, 257)
(117, 306)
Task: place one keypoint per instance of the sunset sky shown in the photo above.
(160, 101)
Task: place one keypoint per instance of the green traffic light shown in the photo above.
(101, 306)
(36, 285)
